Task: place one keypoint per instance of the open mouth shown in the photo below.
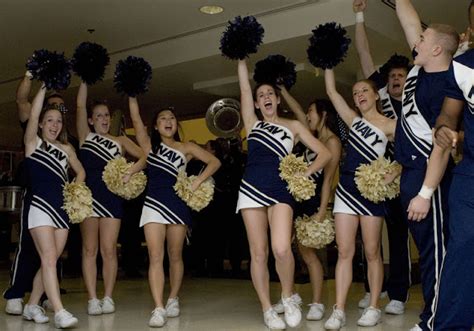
(268, 105)
(397, 85)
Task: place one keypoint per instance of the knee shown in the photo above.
(260, 256)
(310, 258)
(345, 252)
(89, 251)
(108, 252)
(282, 252)
(155, 258)
(48, 260)
(372, 253)
(175, 256)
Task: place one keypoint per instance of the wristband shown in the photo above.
(360, 17)
(426, 192)
(28, 74)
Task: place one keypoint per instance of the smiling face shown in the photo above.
(364, 95)
(51, 125)
(396, 81)
(166, 123)
(100, 119)
(267, 100)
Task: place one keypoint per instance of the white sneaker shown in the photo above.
(172, 307)
(292, 311)
(365, 301)
(337, 319)
(14, 306)
(64, 319)
(416, 328)
(94, 307)
(370, 317)
(278, 307)
(35, 313)
(316, 312)
(47, 305)
(108, 305)
(395, 307)
(158, 318)
(272, 320)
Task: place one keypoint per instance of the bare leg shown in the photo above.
(175, 235)
(371, 235)
(155, 239)
(109, 230)
(90, 243)
(346, 231)
(315, 269)
(256, 225)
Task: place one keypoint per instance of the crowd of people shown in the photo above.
(408, 113)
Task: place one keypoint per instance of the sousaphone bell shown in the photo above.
(223, 118)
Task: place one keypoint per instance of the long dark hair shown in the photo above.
(155, 137)
(62, 136)
(325, 106)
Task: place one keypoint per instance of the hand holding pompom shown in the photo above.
(197, 196)
(132, 76)
(51, 68)
(77, 201)
(275, 70)
(241, 38)
(292, 171)
(115, 178)
(328, 45)
(89, 62)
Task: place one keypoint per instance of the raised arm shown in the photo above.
(335, 148)
(142, 136)
(212, 162)
(81, 113)
(361, 40)
(31, 132)
(294, 105)
(22, 93)
(410, 21)
(247, 108)
(345, 112)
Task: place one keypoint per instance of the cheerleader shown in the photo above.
(48, 156)
(321, 119)
(264, 200)
(165, 216)
(368, 137)
(97, 147)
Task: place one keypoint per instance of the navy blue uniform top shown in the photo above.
(423, 96)
(461, 87)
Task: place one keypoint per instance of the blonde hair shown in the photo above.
(447, 37)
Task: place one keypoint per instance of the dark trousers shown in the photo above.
(430, 235)
(455, 309)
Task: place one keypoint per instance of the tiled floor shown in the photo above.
(206, 304)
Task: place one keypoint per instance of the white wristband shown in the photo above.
(360, 17)
(29, 74)
(426, 192)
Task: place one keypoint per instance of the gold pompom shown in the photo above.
(370, 178)
(311, 232)
(77, 201)
(198, 199)
(113, 174)
(291, 170)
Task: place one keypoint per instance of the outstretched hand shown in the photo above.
(359, 5)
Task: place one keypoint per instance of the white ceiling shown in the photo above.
(182, 45)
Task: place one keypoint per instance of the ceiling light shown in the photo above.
(211, 10)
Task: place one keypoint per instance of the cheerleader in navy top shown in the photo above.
(368, 139)
(455, 309)
(97, 148)
(165, 216)
(47, 160)
(321, 120)
(263, 197)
